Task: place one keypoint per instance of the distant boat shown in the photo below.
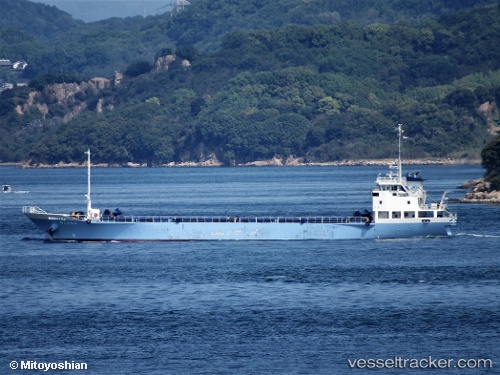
(6, 189)
(399, 210)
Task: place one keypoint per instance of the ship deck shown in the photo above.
(235, 219)
(30, 210)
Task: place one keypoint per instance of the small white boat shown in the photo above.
(6, 189)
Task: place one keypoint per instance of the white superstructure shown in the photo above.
(402, 199)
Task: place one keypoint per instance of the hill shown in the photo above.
(101, 48)
(205, 23)
(320, 92)
(97, 10)
(41, 21)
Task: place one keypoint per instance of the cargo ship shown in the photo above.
(399, 210)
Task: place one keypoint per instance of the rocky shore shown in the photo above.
(291, 161)
(480, 193)
(276, 161)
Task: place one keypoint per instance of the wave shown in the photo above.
(32, 239)
(479, 235)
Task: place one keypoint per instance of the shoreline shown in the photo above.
(479, 192)
(478, 189)
(275, 162)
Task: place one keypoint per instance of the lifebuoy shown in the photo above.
(96, 214)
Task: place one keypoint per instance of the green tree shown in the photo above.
(138, 68)
(491, 161)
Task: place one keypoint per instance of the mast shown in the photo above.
(400, 171)
(89, 203)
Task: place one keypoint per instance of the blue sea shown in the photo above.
(263, 307)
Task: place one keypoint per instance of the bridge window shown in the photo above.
(409, 214)
(383, 214)
(426, 214)
(396, 214)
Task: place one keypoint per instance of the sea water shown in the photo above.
(263, 307)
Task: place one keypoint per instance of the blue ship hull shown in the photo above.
(67, 228)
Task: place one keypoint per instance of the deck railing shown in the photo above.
(234, 219)
(215, 219)
(393, 179)
(33, 210)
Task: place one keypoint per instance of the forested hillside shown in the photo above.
(43, 22)
(319, 91)
(491, 161)
(207, 21)
(101, 48)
